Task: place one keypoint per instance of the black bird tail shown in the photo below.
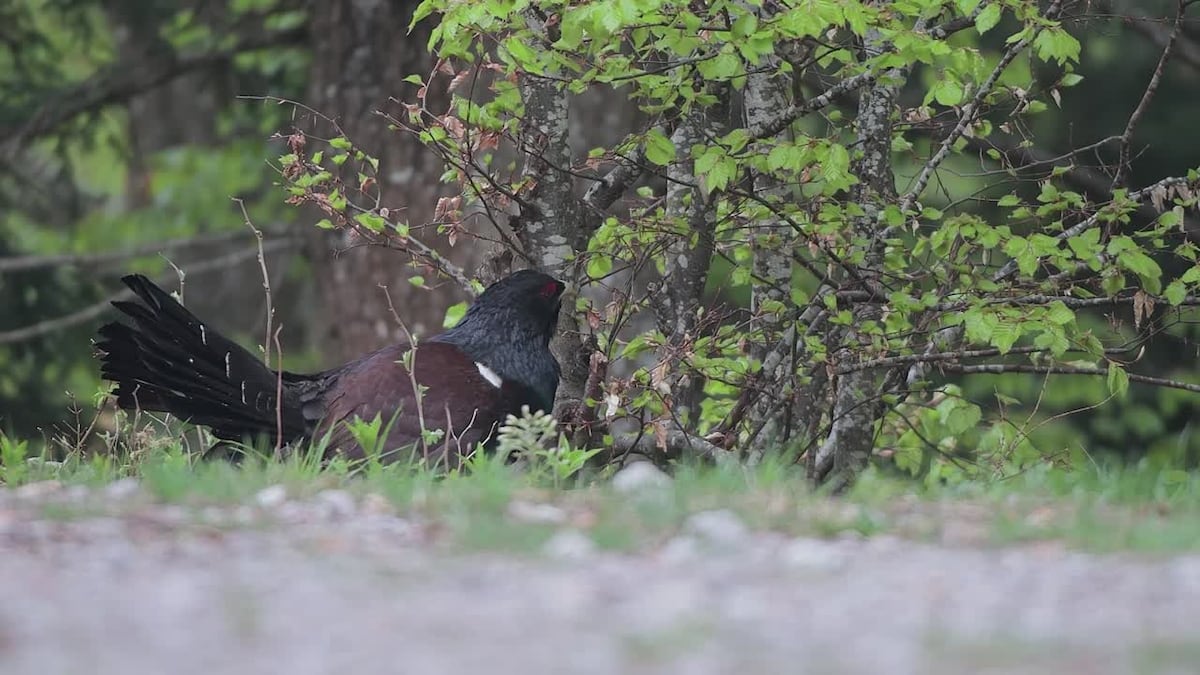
(169, 361)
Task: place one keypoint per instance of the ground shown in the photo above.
(114, 579)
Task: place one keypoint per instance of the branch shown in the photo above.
(968, 115)
(1074, 303)
(1090, 182)
(678, 444)
(955, 333)
(1147, 95)
(612, 185)
(27, 262)
(1137, 196)
(795, 111)
(945, 30)
(92, 311)
(1148, 26)
(125, 80)
(931, 357)
(419, 249)
(1001, 368)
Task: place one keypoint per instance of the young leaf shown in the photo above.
(659, 149)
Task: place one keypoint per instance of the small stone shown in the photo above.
(212, 515)
(720, 526)
(375, 504)
(680, 549)
(533, 512)
(814, 555)
(271, 497)
(38, 490)
(242, 515)
(123, 488)
(75, 494)
(294, 512)
(336, 504)
(569, 545)
(640, 477)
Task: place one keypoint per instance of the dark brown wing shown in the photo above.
(456, 399)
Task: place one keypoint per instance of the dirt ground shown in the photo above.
(335, 586)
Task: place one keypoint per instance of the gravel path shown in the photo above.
(335, 586)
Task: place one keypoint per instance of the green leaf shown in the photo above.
(1176, 292)
(454, 314)
(988, 18)
(659, 149)
(721, 67)
(948, 91)
(1005, 335)
(1056, 44)
(599, 265)
(1144, 266)
(520, 52)
(1118, 379)
(371, 221)
(1059, 314)
(960, 418)
(744, 25)
(979, 325)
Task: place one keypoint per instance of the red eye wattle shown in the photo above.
(551, 289)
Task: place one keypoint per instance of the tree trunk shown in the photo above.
(361, 53)
(857, 403)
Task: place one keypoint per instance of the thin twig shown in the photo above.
(262, 265)
(270, 336)
(278, 395)
(1001, 368)
(92, 311)
(969, 112)
(931, 357)
(29, 262)
(125, 80)
(1147, 95)
(813, 104)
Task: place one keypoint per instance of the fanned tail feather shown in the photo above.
(169, 361)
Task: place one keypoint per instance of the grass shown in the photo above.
(1134, 508)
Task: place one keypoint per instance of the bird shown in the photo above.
(462, 382)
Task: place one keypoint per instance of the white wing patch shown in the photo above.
(490, 375)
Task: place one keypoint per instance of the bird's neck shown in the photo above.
(519, 353)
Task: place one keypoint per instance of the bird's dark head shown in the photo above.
(508, 329)
(525, 296)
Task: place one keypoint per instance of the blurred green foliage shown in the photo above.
(82, 188)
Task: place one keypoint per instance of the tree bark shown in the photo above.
(857, 404)
(361, 52)
(771, 242)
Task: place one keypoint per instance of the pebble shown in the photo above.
(680, 549)
(533, 512)
(75, 494)
(640, 477)
(815, 555)
(38, 490)
(375, 504)
(569, 545)
(336, 504)
(271, 497)
(720, 526)
(123, 488)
